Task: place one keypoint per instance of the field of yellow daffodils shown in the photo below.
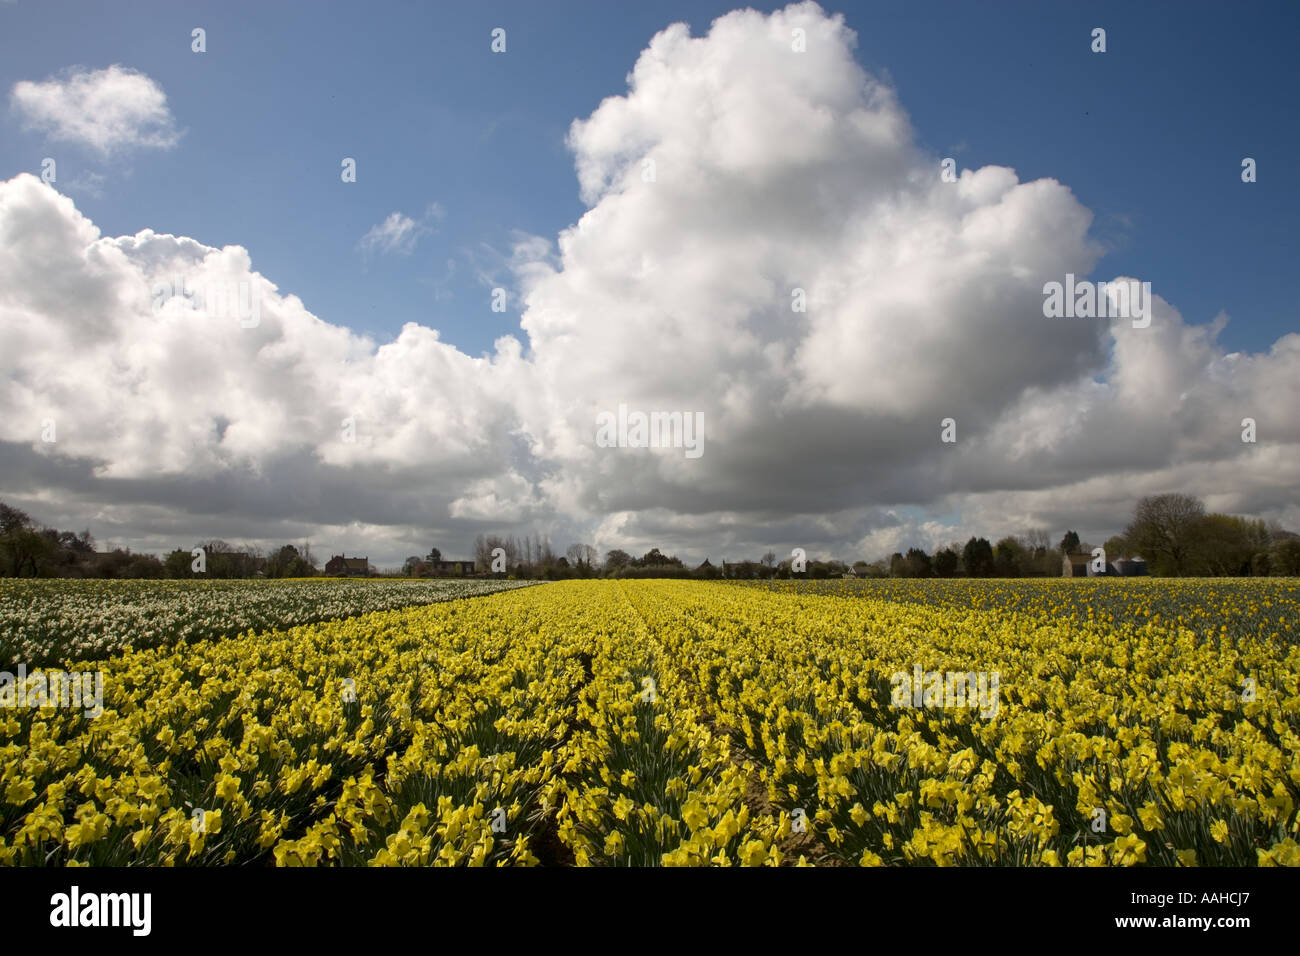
(614, 723)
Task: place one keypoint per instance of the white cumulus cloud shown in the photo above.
(108, 111)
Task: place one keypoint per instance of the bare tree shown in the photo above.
(1164, 529)
(1038, 541)
(485, 546)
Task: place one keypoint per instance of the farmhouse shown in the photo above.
(1131, 567)
(347, 567)
(706, 569)
(1080, 566)
(1075, 565)
(450, 568)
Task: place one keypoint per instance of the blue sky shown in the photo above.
(1149, 135)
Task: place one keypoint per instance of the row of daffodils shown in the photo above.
(638, 723)
(47, 621)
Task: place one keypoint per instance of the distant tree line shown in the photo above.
(29, 549)
(222, 560)
(1172, 532)
(1177, 537)
(532, 558)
